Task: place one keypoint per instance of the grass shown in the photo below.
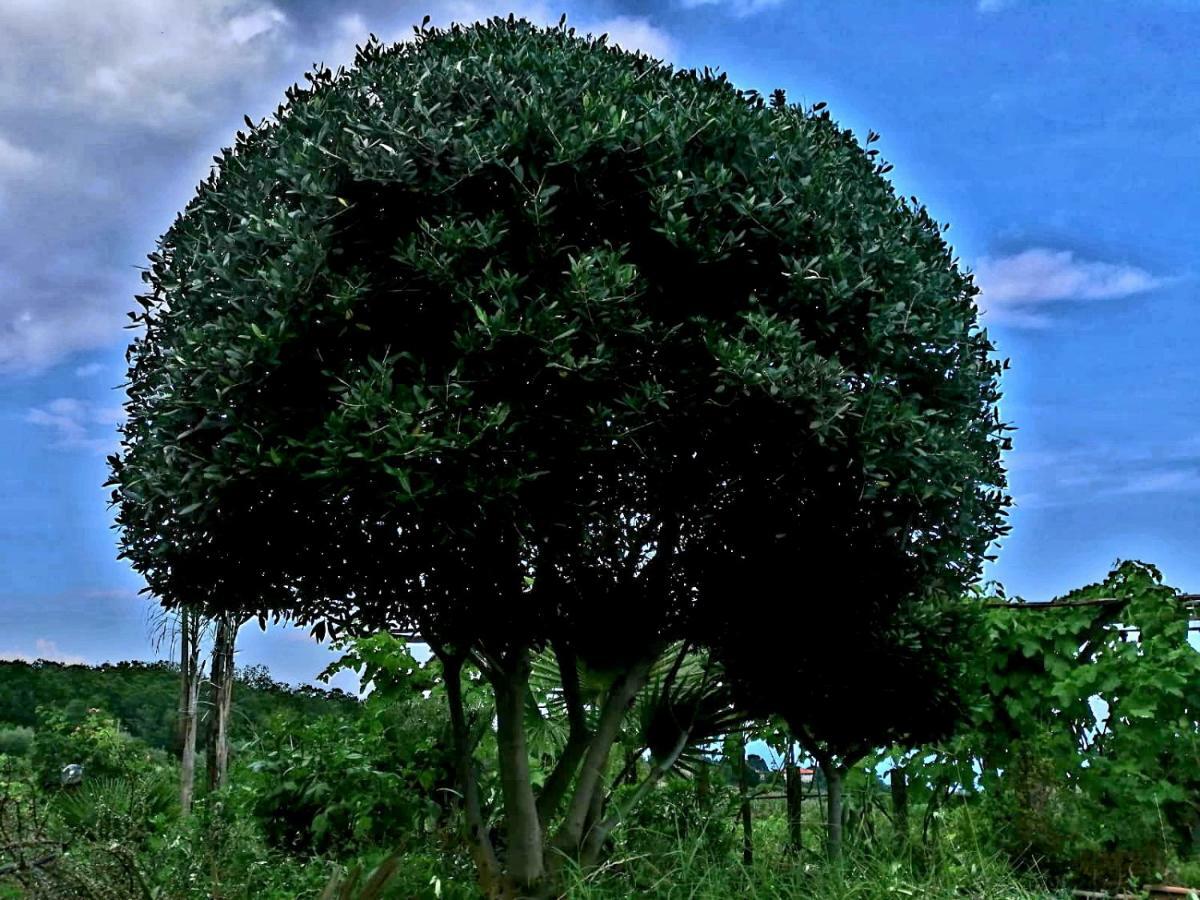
(665, 866)
(679, 876)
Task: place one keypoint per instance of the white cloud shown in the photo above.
(145, 61)
(1085, 472)
(249, 26)
(15, 160)
(131, 99)
(1156, 482)
(1040, 274)
(89, 370)
(47, 650)
(1013, 287)
(31, 340)
(634, 33)
(75, 424)
(126, 93)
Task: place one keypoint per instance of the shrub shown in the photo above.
(334, 785)
(678, 813)
(15, 740)
(126, 809)
(96, 742)
(219, 851)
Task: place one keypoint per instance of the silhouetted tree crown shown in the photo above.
(509, 336)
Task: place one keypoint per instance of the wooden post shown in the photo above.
(899, 782)
(794, 789)
(833, 801)
(747, 814)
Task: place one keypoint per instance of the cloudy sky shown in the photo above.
(1061, 140)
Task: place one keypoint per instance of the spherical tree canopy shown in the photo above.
(507, 331)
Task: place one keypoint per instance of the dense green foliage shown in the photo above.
(144, 698)
(380, 778)
(1085, 734)
(125, 838)
(462, 307)
(1043, 789)
(95, 742)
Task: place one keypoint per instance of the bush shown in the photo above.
(15, 740)
(126, 809)
(334, 785)
(219, 851)
(96, 743)
(1042, 819)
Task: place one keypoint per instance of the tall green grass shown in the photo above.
(863, 878)
(680, 867)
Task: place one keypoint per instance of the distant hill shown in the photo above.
(145, 697)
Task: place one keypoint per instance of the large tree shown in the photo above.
(516, 340)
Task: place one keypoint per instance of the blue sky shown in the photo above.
(1060, 140)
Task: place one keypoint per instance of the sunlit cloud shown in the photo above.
(1015, 288)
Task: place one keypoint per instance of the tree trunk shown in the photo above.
(794, 788)
(833, 790)
(487, 866)
(523, 831)
(899, 782)
(185, 683)
(189, 658)
(746, 813)
(222, 682)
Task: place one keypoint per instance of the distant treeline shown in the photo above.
(145, 697)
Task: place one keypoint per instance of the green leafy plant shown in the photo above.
(126, 809)
(1085, 734)
(95, 742)
(15, 740)
(329, 786)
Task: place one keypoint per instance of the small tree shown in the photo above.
(900, 679)
(502, 336)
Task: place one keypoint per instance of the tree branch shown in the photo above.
(578, 737)
(616, 703)
(599, 832)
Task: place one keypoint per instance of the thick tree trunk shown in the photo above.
(523, 831)
(794, 788)
(222, 682)
(594, 834)
(833, 789)
(899, 782)
(189, 659)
